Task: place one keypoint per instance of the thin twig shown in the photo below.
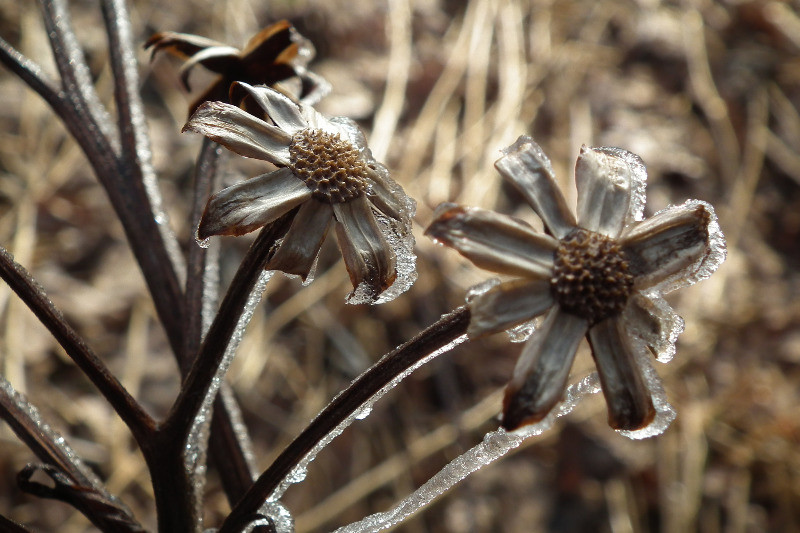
(53, 449)
(107, 514)
(174, 492)
(435, 337)
(78, 107)
(229, 446)
(129, 410)
(204, 370)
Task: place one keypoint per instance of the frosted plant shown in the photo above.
(600, 276)
(326, 171)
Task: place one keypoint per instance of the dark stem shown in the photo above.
(228, 442)
(175, 493)
(122, 179)
(140, 423)
(105, 513)
(51, 448)
(212, 351)
(435, 337)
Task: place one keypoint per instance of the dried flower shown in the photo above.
(600, 276)
(326, 168)
(275, 54)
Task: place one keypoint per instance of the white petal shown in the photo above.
(604, 182)
(675, 247)
(542, 370)
(285, 113)
(248, 205)
(629, 404)
(509, 304)
(526, 166)
(241, 132)
(494, 241)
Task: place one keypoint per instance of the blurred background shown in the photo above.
(707, 93)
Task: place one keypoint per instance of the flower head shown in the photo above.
(600, 275)
(275, 54)
(325, 168)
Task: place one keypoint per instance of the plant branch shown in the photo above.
(229, 445)
(107, 514)
(393, 364)
(204, 369)
(140, 423)
(87, 120)
(50, 447)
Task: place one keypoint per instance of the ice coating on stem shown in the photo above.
(359, 414)
(32, 414)
(494, 445)
(196, 444)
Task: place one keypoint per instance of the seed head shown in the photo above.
(590, 277)
(331, 167)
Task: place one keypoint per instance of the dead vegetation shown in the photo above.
(708, 93)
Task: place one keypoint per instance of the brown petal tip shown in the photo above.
(519, 410)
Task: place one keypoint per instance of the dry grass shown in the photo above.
(707, 93)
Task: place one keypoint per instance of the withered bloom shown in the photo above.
(275, 54)
(600, 276)
(326, 168)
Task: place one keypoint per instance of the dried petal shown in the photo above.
(300, 246)
(672, 242)
(368, 257)
(241, 132)
(269, 43)
(604, 191)
(248, 205)
(216, 59)
(652, 319)
(540, 376)
(286, 114)
(493, 241)
(181, 45)
(509, 304)
(629, 404)
(525, 165)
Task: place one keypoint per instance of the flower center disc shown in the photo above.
(331, 167)
(590, 277)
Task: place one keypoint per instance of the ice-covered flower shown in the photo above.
(325, 169)
(275, 54)
(600, 276)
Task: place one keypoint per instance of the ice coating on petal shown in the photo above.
(670, 325)
(402, 244)
(481, 288)
(705, 265)
(638, 183)
(359, 414)
(665, 413)
(494, 446)
(522, 332)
